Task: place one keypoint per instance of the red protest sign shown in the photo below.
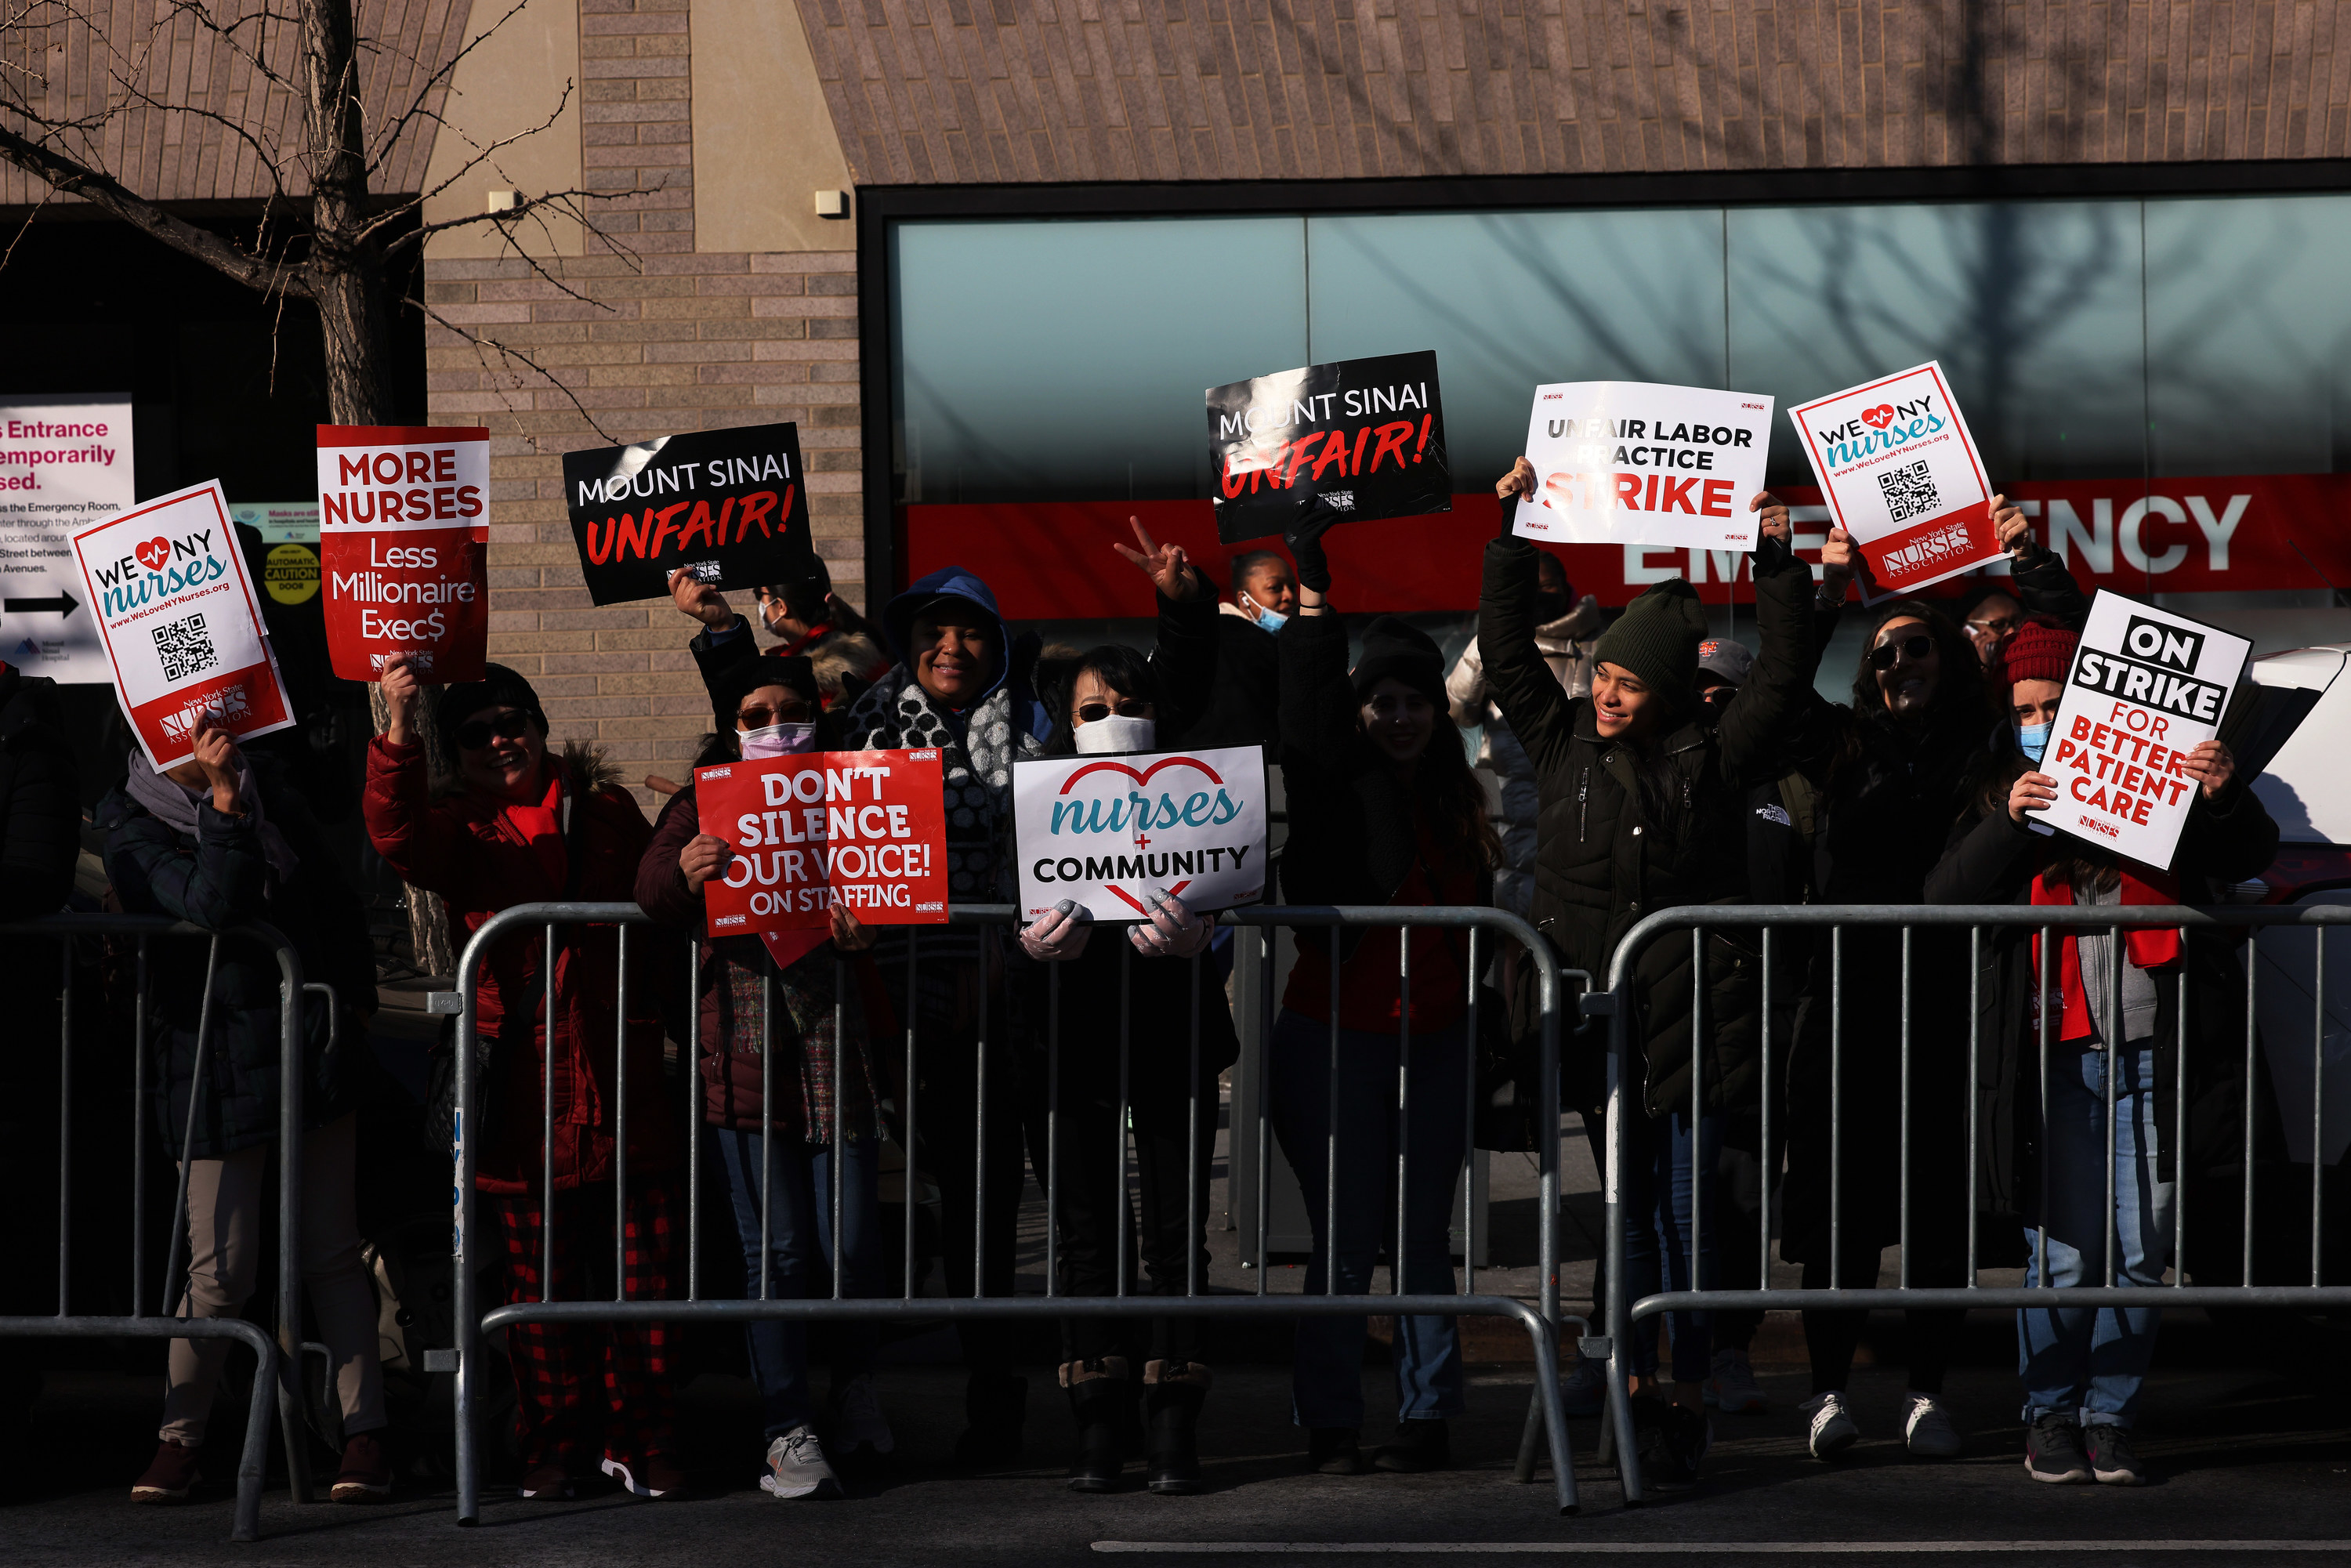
(404, 540)
(867, 829)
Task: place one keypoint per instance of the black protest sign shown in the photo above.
(730, 505)
(1366, 437)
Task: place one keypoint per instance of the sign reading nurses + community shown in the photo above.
(2147, 688)
(728, 506)
(184, 633)
(1901, 476)
(1105, 832)
(1366, 437)
(403, 534)
(1627, 462)
(865, 828)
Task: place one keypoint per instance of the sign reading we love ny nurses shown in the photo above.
(182, 629)
(1105, 832)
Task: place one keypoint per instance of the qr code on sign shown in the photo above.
(185, 648)
(1909, 492)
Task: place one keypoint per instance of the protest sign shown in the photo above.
(183, 630)
(1635, 462)
(867, 829)
(65, 462)
(405, 538)
(1105, 831)
(2145, 689)
(1901, 475)
(729, 505)
(1366, 437)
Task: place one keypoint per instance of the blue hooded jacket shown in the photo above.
(898, 625)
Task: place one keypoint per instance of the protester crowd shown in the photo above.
(1643, 764)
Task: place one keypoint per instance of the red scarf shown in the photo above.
(541, 827)
(2150, 946)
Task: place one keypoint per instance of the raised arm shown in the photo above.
(418, 843)
(1517, 679)
(1185, 656)
(1757, 724)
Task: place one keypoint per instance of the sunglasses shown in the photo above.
(476, 733)
(759, 716)
(1915, 648)
(1129, 707)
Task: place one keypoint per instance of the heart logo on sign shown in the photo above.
(1879, 417)
(153, 554)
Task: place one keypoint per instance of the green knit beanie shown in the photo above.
(1656, 638)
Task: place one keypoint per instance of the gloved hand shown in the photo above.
(1305, 541)
(1059, 935)
(1172, 932)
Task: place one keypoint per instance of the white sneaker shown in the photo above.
(1833, 1430)
(1732, 1389)
(1927, 1427)
(795, 1467)
(862, 1425)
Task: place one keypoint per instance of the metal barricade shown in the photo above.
(1620, 1006)
(1541, 1319)
(277, 1357)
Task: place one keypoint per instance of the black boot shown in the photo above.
(1098, 1389)
(995, 1406)
(1173, 1392)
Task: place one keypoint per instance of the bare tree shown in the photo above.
(327, 236)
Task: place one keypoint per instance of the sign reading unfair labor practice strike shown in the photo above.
(1634, 463)
(867, 829)
(729, 505)
(405, 538)
(181, 627)
(1107, 831)
(1364, 437)
(1901, 475)
(2147, 688)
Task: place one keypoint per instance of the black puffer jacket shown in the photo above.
(1601, 865)
(40, 813)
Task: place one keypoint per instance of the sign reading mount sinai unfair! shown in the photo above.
(403, 537)
(729, 505)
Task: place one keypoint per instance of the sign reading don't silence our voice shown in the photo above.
(865, 829)
(403, 540)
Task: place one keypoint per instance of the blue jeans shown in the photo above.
(1327, 1377)
(2084, 1361)
(800, 1248)
(1655, 1193)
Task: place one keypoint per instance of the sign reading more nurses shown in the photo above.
(867, 829)
(1901, 475)
(183, 632)
(1366, 437)
(1107, 831)
(64, 463)
(403, 534)
(1638, 462)
(2147, 688)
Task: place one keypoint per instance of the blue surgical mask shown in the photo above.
(1266, 618)
(2032, 739)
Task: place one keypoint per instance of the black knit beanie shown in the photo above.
(1656, 638)
(739, 680)
(498, 687)
(1392, 646)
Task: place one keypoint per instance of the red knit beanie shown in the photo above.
(2037, 653)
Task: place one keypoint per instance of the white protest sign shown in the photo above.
(1107, 831)
(2147, 688)
(183, 632)
(65, 463)
(1642, 463)
(1902, 476)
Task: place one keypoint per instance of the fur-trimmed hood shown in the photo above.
(584, 761)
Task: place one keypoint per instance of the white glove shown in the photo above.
(1172, 932)
(1061, 934)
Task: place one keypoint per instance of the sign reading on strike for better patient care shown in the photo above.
(1107, 831)
(1901, 475)
(2147, 688)
(867, 829)
(729, 505)
(1638, 462)
(403, 531)
(1364, 437)
(183, 630)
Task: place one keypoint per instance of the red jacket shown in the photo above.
(472, 852)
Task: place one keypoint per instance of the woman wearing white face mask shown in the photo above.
(1115, 702)
(774, 702)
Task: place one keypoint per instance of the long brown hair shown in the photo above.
(1445, 789)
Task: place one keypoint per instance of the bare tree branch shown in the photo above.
(485, 345)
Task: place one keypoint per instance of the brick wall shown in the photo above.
(651, 339)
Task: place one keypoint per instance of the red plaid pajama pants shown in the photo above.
(554, 1363)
